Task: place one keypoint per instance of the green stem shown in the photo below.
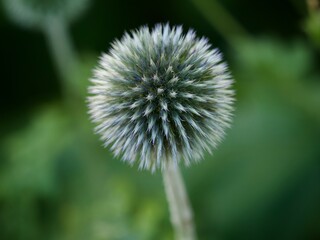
(180, 209)
(220, 19)
(62, 52)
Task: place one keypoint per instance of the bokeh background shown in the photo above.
(263, 181)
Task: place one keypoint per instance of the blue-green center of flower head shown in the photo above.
(161, 96)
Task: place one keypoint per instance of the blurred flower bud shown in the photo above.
(36, 13)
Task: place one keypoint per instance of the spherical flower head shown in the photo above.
(160, 96)
(36, 13)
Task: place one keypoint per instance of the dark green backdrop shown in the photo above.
(263, 181)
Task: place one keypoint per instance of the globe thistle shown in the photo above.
(161, 96)
(36, 13)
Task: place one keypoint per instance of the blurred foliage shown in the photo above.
(312, 27)
(263, 182)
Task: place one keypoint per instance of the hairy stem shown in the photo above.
(180, 209)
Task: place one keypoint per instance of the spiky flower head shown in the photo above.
(161, 96)
(36, 13)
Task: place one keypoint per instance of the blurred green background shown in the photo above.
(263, 181)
